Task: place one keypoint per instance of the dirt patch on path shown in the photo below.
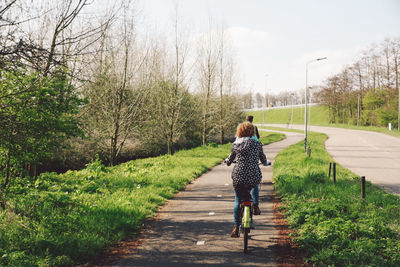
(287, 252)
(123, 249)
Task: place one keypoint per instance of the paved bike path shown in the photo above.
(193, 229)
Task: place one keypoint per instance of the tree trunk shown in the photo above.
(205, 115)
(7, 178)
(5, 184)
(170, 145)
(204, 134)
(113, 150)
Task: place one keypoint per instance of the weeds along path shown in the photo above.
(370, 154)
(193, 229)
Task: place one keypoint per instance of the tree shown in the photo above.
(226, 85)
(208, 61)
(117, 91)
(164, 127)
(36, 114)
(350, 93)
(51, 36)
(247, 100)
(171, 94)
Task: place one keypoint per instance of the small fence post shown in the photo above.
(329, 170)
(334, 172)
(363, 187)
(308, 151)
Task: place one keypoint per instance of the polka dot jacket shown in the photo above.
(247, 152)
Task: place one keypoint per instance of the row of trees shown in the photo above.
(366, 92)
(78, 82)
(284, 98)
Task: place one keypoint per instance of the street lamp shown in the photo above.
(266, 91)
(309, 108)
(398, 90)
(305, 100)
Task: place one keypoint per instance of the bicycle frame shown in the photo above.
(246, 219)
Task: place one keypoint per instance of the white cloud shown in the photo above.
(336, 60)
(248, 38)
(252, 49)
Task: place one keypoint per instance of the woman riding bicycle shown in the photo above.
(246, 173)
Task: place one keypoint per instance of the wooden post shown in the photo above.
(334, 172)
(329, 170)
(363, 187)
(308, 151)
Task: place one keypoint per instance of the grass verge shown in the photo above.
(67, 219)
(332, 223)
(319, 117)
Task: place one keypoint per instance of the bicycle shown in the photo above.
(246, 212)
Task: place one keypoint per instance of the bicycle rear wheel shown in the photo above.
(245, 239)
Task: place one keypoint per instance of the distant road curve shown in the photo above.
(373, 155)
(280, 107)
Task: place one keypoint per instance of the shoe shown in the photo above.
(256, 210)
(235, 232)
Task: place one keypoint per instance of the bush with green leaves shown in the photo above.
(36, 114)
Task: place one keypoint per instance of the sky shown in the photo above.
(273, 40)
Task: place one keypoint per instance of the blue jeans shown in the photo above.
(255, 195)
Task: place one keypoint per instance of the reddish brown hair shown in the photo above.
(245, 129)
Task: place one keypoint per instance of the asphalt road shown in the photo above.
(373, 155)
(193, 229)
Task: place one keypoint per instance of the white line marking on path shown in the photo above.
(219, 195)
(211, 213)
(200, 243)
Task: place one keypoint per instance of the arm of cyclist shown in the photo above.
(262, 156)
(230, 158)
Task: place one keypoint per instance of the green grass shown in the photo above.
(68, 219)
(319, 116)
(280, 129)
(267, 138)
(332, 222)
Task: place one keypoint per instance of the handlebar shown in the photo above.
(269, 163)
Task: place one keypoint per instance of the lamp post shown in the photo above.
(358, 109)
(309, 108)
(305, 100)
(398, 90)
(266, 92)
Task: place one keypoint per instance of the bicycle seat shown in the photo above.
(243, 193)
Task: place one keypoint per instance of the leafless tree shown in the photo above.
(52, 34)
(208, 58)
(117, 91)
(175, 102)
(226, 84)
